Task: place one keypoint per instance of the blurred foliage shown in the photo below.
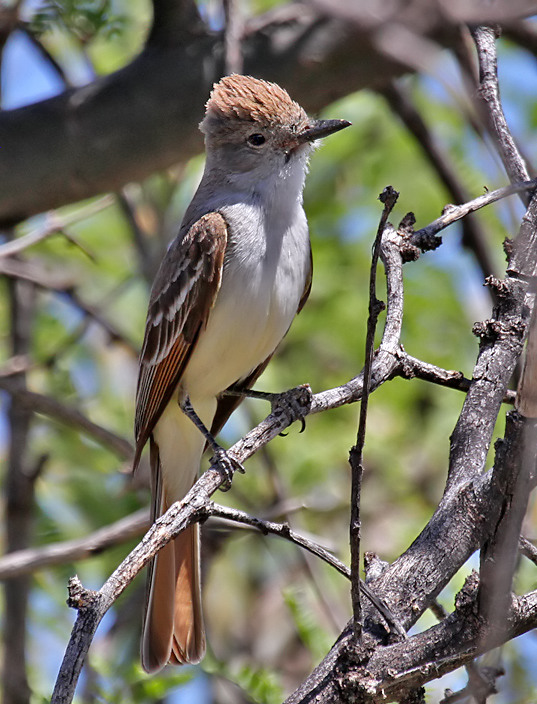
(83, 20)
(271, 612)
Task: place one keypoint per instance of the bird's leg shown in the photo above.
(226, 464)
(294, 404)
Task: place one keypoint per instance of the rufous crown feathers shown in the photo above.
(249, 99)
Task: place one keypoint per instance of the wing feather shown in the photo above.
(183, 294)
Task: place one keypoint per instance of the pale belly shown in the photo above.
(254, 309)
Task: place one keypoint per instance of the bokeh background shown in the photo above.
(272, 611)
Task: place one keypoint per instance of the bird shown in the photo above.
(225, 295)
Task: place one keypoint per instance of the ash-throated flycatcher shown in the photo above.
(223, 299)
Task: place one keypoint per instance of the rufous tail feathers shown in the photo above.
(173, 630)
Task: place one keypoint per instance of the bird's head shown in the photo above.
(251, 125)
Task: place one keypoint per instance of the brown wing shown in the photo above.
(307, 285)
(227, 404)
(183, 294)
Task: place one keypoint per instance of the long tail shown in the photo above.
(173, 629)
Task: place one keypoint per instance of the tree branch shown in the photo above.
(413, 368)
(492, 111)
(473, 234)
(142, 118)
(28, 561)
(19, 496)
(39, 403)
(356, 456)
(54, 224)
(29, 271)
(282, 530)
(452, 213)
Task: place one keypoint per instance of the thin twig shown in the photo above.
(413, 368)
(388, 197)
(452, 213)
(283, 530)
(127, 206)
(474, 236)
(527, 549)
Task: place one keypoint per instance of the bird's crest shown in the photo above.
(249, 99)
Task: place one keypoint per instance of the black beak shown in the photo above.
(322, 128)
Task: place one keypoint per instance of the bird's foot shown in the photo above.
(227, 466)
(292, 405)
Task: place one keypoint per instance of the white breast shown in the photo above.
(265, 271)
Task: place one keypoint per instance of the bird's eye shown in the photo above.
(256, 140)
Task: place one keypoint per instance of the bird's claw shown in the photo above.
(293, 404)
(227, 467)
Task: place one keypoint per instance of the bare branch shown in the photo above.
(282, 530)
(27, 561)
(429, 14)
(52, 225)
(411, 368)
(515, 458)
(456, 637)
(19, 492)
(452, 213)
(528, 549)
(513, 468)
(489, 94)
(29, 271)
(526, 397)
(356, 456)
(474, 236)
(502, 340)
(39, 403)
